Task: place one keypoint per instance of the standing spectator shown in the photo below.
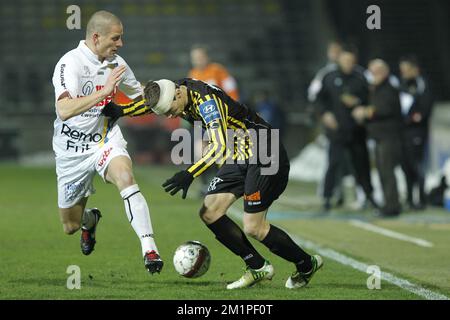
(417, 102)
(212, 73)
(341, 91)
(334, 49)
(384, 120)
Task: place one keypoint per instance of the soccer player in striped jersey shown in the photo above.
(243, 173)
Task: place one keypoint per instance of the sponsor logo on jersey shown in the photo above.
(98, 88)
(86, 71)
(79, 135)
(105, 156)
(61, 75)
(92, 113)
(209, 111)
(79, 141)
(88, 87)
(108, 99)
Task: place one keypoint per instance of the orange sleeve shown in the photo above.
(234, 94)
(227, 82)
(121, 98)
(193, 74)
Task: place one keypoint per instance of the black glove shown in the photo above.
(113, 110)
(181, 180)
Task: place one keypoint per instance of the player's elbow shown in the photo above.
(63, 110)
(63, 117)
(221, 150)
(63, 114)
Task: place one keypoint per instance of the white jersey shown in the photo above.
(79, 73)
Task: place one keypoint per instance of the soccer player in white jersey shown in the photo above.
(86, 142)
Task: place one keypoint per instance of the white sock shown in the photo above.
(139, 217)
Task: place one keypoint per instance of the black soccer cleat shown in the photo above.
(87, 241)
(153, 262)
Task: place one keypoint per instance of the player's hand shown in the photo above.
(359, 114)
(329, 120)
(349, 100)
(113, 79)
(180, 181)
(416, 117)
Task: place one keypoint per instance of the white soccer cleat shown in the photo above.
(251, 276)
(299, 280)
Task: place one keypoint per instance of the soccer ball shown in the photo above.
(192, 259)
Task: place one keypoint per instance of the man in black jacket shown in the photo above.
(384, 121)
(342, 90)
(417, 102)
(334, 49)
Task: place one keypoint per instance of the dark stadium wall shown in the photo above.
(407, 26)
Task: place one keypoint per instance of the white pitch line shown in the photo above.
(390, 233)
(360, 266)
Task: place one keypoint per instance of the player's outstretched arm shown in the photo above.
(133, 109)
(217, 151)
(68, 107)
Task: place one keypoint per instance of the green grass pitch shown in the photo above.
(35, 253)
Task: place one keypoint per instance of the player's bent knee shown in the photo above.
(127, 178)
(124, 179)
(251, 230)
(257, 231)
(71, 227)
(209, 215)
(215, 206)
(206, 214)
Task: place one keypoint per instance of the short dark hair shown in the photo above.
(351, 48)
(411, 59)
(151, 93)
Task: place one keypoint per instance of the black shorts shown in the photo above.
(259, 191)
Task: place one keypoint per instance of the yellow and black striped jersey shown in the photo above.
(224, 119)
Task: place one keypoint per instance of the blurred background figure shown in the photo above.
(270, 111)
(384, 122)
(342, 90)
(417, 103)
(334, 49)
(217, 75)
(212, 73)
